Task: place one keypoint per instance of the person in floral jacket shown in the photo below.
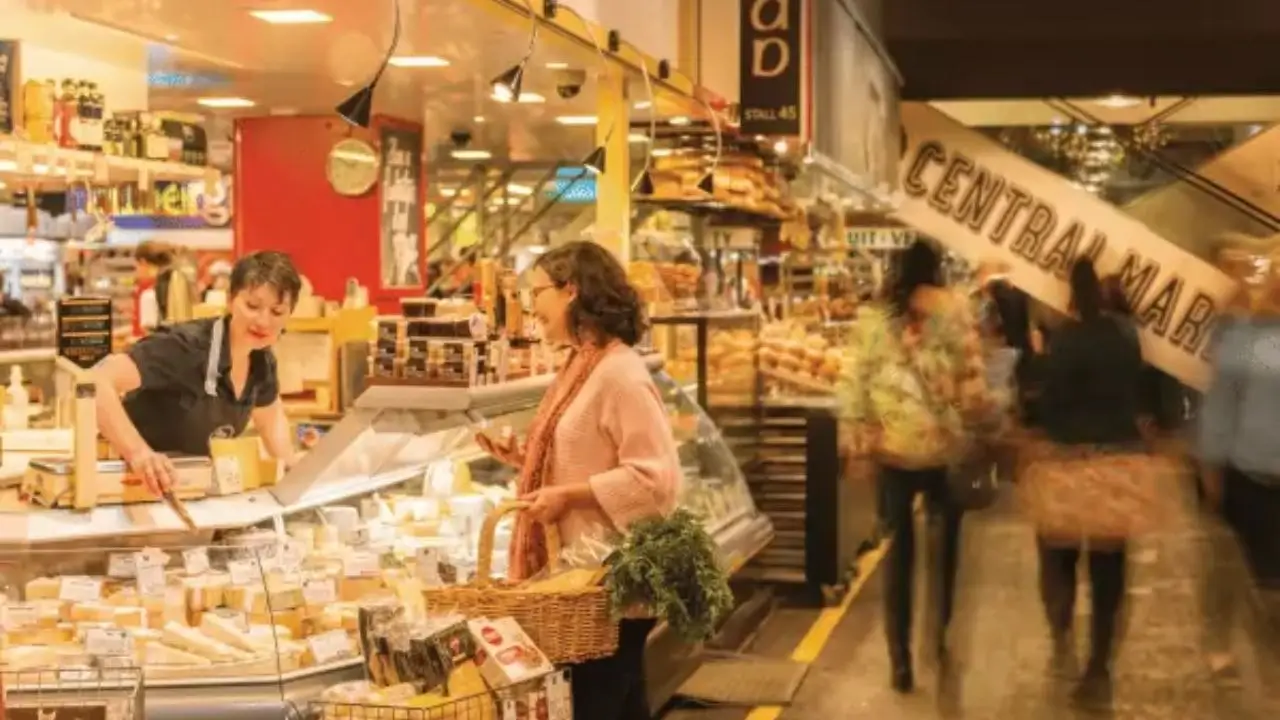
(912, 391)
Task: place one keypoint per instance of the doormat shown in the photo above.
(743, 680)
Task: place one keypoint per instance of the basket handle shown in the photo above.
(484, 563)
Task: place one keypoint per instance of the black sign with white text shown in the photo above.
(771, 70)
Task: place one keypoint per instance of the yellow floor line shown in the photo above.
(824, 625)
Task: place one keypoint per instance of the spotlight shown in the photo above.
(707, 184)
(358, 108)
(595, 161)
(507, 85)
(645, 185)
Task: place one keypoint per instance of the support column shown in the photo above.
(613, 188)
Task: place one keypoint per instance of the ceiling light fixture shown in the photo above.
(578, 120)
(225, 102)
(358, 109)
(291, 17)
(8, 165)
(506, 87)
(643, 105)
(419, 61)
(679, 120)
(595, 162)
(518, 189)
(557, 66)
(471, 154)
(478, 119)
(708, 182)
(503, 95)
(637, 138)
(662, 152)
(1118, 102)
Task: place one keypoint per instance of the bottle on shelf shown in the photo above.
(67, 115)
(16, 415)
(37, 110)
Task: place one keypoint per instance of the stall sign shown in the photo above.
(773, 67)
(880, 238)
(400, 200)
(84, 329)
(572, 185)
(989, 204)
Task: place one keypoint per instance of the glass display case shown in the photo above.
(712, 355)
(257, 610)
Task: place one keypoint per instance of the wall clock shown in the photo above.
(352, 167)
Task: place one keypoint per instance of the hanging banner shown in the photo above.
(987, 203)
(773, 57)
(400, 202)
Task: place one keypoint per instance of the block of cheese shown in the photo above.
(29, 656)
(291, 620)
(269, 637)
(206, 591)
(92, 612)
(129, 616)
(125, 596)
(226, 631)
(246, 598)
(194, 641)
(43, 588)
(355, 589)
(36, 635)
(162, 654)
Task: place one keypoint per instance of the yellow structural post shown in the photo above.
(613, 187)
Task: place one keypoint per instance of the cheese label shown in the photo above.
(150, 575)
(121, 565)
(429, 568)
(330, 646)
(559, 698)
(361, 564)
(19, 615)
(80, 589)
(320, 592)
(244, 572)
(196, 560)
(292, 555)
(106, 642)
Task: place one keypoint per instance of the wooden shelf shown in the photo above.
(20, 158)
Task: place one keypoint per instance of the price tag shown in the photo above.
(429, 567)
(150, 576)
(103, 642)
(330, 646)
(292, 554)
(509, 711)
(320, 592)
(80, 589)
(121, 565)
(244, 572)
(227, 478)
(196, 560)
(361, 564)
(20, 615)
(559, 698)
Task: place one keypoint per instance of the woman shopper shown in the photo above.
(912, 384)
(600, 451)
(1093, 368)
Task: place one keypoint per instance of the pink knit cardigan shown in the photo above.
(615, 436)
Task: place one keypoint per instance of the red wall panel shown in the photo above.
(283, 201)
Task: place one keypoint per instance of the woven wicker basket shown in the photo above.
(569, 626)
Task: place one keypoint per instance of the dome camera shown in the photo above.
(569, 83)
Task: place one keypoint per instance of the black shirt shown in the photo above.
(186, 393)
(1093, 372)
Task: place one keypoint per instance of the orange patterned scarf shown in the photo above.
(528, 553)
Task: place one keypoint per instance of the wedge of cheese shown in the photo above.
(162, 654)
(92, 612)
(226, 631)
(194, 641)
(43, 588)
(130, 617)
(268, 637)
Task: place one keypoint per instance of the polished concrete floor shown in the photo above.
(1187, 587)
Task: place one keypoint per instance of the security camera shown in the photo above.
(569, 83)
(460, 138)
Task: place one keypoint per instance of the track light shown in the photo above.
(358, 109)
(708, 184)
(595, 161)
(507, 86)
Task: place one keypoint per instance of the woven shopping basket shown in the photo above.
(569, 626)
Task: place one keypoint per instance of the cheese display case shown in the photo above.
(258, 611)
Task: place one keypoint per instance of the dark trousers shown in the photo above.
(898, 489)
(613, 688)
(1252, 509)
(1107, 570)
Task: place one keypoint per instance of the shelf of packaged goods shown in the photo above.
(21, 158)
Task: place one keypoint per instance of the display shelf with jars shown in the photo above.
(261, 591)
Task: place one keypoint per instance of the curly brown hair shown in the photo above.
(606, 303)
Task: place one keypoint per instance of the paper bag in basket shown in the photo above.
(1095, 497)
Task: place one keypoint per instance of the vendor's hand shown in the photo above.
(548, 504)
(505, 451)
(155, 469)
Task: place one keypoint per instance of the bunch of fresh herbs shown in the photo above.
(669, 565)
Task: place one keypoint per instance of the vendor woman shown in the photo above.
(177, 387)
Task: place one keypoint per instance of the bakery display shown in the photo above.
(795, 360)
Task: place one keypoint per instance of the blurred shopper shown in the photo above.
(913, 381)
(163, 291)
(1237, 430)
(1090, 405)
(599, 453)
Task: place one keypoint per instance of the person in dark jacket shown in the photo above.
(1092, 370)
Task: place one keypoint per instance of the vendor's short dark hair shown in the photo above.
(606, 303)
(268, 267)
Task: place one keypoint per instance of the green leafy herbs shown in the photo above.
(670, 566)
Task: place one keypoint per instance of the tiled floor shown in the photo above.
(1002, 668)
